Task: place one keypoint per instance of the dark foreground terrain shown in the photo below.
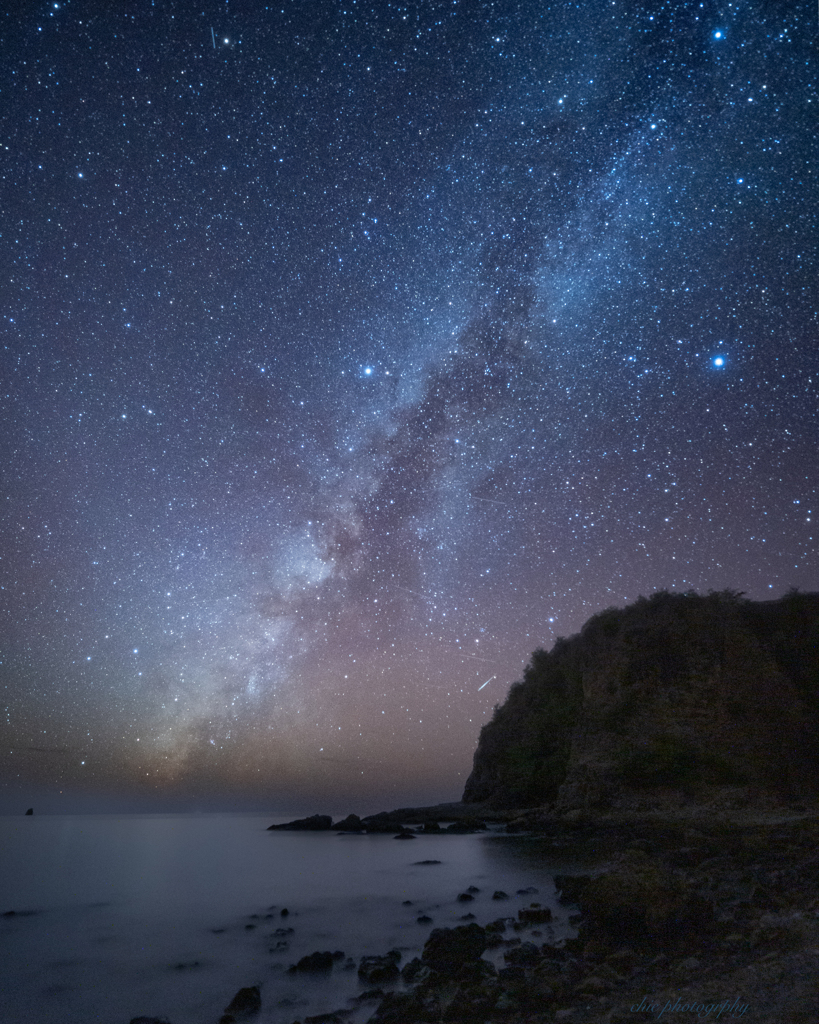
(703, 915)
(700, 914)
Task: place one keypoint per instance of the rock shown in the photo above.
(399, 1008)
(30, 811)
(315, 823)
(285, 912)
(405, 834)
(465, 897)
(373, 969)
(432, 826)
(318, 961)
(415, 971)
(352, 823)
(535, 914)
(447, 949)
(499, 894)
(641, 903)
(334, 1017)
(370, 995)
(525, 955)
(149, 1020)
(473, 1003)
(418, 863)
(424, 919)
(247, 1001)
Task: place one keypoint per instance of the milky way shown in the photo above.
(352, 352)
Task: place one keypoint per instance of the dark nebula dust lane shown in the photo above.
(350, 354)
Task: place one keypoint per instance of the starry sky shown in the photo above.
(352, 351)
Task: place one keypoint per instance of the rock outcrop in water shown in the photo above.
(674, 698)
(315, 823)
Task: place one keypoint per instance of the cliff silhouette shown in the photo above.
(676, 698)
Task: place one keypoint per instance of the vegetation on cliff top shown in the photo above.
(681, 691)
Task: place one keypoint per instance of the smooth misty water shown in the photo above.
(149, 914)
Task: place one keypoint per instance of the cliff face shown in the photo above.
(675, 697)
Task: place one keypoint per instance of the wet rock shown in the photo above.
(447, 949)
(30, 811)
(352, 823)
(472, 888)
(415, 971)
(432, 826)
(424, 919)
(247, 1001)
(400, 1008)
(528, 891)
(465, 897)
(405, 834)
(318, 961)
(374, 969)
(285, 912)
(499, 894)
(315, 823)
(525, 955)
(535, 914)
(472, 1002)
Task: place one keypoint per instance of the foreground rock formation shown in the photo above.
(672, 700)
(694, 917)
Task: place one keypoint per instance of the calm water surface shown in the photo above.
(170, 915)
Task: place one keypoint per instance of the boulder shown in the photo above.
(641, 903)
(247, 1001)
(318, 961)
(315, 823)
(448, 949)
(373, 969)
(30, 810)
(535, 914)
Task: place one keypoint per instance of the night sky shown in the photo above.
(353, 351)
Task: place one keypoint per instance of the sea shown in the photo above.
(104, 918)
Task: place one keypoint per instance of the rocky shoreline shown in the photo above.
(699, 912)
(704, 914)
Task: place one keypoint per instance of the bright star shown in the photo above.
(719, 361)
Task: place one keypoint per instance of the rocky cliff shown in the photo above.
(675, 698)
